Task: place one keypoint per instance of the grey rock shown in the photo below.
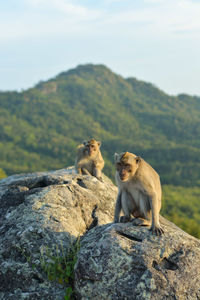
(42, 212)
(122, 261)
(47, 211)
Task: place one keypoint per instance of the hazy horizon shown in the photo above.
(55, 75)
(155, 41)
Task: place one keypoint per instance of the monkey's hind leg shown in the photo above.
(125, 219)
(97, 173)
(127, 207)
(141, 222)
(85, 171)
(142, 214)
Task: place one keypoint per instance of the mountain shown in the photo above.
(41, 127)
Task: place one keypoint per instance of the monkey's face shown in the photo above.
(92, 148)
(126, 165)
(124, 171)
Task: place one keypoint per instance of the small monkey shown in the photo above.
(89, 160)
(139, 191)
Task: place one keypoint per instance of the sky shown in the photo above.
(157, 41)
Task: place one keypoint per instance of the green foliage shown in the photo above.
(60, 267)
(2, 174)
(40, 128)
(181, 206)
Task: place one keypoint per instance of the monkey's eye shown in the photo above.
(127, 166)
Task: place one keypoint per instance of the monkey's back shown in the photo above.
(82, 159)
(150, 179)
(79, 154)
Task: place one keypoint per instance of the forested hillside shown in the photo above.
(40, 128)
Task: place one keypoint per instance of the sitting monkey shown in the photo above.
(89, 160)
(139, 192)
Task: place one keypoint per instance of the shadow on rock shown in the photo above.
(41, 215)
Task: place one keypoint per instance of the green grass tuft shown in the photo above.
(60, 267)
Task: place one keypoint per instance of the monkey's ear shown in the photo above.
(84, 143)
(99, 143)
(138, 159)
(125, 154)
(116, 155)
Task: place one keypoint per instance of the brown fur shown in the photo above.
(139, 191)
(89, 160)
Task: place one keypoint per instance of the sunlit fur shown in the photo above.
(139, 191)
(89, 160)
(91, 148)
(126, 166)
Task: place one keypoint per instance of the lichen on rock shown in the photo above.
(122, 261)
(45, 212)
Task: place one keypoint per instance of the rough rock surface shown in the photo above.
(45, 210)
(122, 261)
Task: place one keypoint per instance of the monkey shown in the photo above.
(139, 192)
(89, 160)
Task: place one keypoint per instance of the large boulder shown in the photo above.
(122, 261)
(42, 211)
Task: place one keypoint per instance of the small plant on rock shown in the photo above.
(60, 266)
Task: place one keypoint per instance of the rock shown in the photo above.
(42, 211)
(122, 261)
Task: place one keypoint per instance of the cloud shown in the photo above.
(64, 7)
(156, 18)
(45, 17)
(154, 1)
(155, 39)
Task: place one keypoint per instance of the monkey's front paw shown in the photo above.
(157, 230)
(124, 219)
